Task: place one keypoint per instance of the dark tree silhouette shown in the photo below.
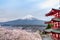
(49, 26)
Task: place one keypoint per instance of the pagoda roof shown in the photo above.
(56, 19)
(52, 12)
(53, 30)
(56, 30)
(48, 30)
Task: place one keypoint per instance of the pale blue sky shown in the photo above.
(16, 9)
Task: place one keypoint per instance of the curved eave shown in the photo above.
(56, 20)
(53, 30)
(58, 10)
(49, 14)
(56, 31)
(48, 30)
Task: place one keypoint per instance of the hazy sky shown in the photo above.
(16, 9)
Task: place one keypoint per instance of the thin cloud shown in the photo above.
(3, 19)
(49, 4)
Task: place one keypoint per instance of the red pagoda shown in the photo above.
(55, 29)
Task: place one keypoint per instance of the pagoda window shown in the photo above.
(59, 25)
(50, 33)
(55, 25)
(56, 15)
(56, 35)
(59, 15)
(51, 22)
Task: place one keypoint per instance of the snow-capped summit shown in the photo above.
(29, 17)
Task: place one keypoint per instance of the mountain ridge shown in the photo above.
(26, 21)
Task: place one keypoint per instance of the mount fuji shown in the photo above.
(27, 20)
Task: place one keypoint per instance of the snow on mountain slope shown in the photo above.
(29, 17)
(27, 20)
